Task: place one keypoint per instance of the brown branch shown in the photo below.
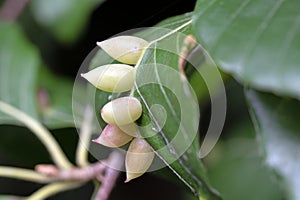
(116, 161)
(106, 172)
(11, 9)
(74, 174)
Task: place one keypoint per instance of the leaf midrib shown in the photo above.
(168, 144)
(162, 133)
(174, 115)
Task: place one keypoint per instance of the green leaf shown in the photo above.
(170, 110)
(54, 96)
(277, 122)
(235, 166)
(19, 62)
(238, 173)
(65, 19)
(256, 41)
(55, 99)
(28, 86)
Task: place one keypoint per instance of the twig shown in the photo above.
(41, 132)
(171, 32)
(111, 167)
(52, 189)
(24, 174)
(11, 9)
(75, 174)
(85, 137)
(115, 164)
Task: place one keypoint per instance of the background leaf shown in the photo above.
(256, 41)
(25, 84)
(277, 121)
(19, 62)
(65, 19)
(236, 167)
(56, 112)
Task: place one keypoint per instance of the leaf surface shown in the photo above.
(258, 42)
(277, 123)
(29, 86)
(65, 19)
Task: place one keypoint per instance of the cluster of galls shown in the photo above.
(120, 114)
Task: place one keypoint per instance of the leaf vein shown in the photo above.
(259, 32)
(182, 129)
(291, 35)
(204, 10)
(234, 16)
(176, 22)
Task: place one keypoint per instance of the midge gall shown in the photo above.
(138, 158)
(113, 136)
(126, 49)
(111, 77)
(121, 111)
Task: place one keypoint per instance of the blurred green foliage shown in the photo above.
(66, 19)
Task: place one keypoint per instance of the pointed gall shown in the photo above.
(138, 158)
(113, 136)
(125, 49)
(122, 111)
(112, 77)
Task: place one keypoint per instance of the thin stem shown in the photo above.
(115, 163)
(41, 132)
(23, 174)
(53, 189)
(171, 32)
(79, 174)
(161, 38)
(85, 137)
(156, 40)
